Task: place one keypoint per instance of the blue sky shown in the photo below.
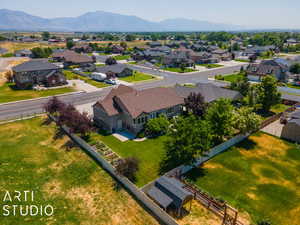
(253, 13)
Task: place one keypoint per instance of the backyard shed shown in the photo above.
(169, 193)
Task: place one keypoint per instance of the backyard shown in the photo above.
(137, 77)
(10, 93)
(258, 177)
(72, 76)
(78, 189)
(149, 153)
(230, 78)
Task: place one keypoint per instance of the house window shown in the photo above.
(139, 120)
(170, 110)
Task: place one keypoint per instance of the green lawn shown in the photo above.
(179, 70)
(9, 93)
(149, 152)
(72, 76)
(137, 77)
(232, 77)
(78, 189)
(293, 86)
(122, 57)
(260, 176)
(210, 66)
(242, 60)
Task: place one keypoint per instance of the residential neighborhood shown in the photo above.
(107, 118)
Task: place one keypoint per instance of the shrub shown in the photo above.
(158, 126)
(128, 168)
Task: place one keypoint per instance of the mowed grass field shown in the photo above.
(79, 190)
(8, 93)
(260, 177)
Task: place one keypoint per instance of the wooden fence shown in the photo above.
(228, 214)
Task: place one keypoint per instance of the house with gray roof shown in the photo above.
(209, 91)
(37, 72)
(23, 53)
(115, 70)
(255, 71)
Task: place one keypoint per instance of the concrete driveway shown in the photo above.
(80, 85)
(274, 128)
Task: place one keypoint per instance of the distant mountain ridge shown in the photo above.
(103, 21)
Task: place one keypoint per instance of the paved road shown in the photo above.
(25, 108)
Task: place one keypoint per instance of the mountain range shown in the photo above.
(103, 21)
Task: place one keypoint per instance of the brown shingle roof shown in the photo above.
(138, 102)
(73, 57)
(107, 103)
(149, 100)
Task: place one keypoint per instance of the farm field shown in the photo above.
(79, 190)
(14, 46)
(259, 177)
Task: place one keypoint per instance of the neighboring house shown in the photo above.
(178, 58)
(23, 53)
(209, 91)
(126, 108)
(148, 54)
(116, 70)
(117, 49)
(37, 72)
(204, 58)
(155, 44)
(170, 194)
(70, 58)
(255, 71)
(292, 41)
(3, 51)
(223, 55)
(82, 48)
(291, 130)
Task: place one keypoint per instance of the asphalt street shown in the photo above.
(29, 107)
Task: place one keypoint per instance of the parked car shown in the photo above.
(111, 81)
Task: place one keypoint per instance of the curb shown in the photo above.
(36, 99)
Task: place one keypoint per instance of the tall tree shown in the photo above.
(245, 120)
(110, 61)
(220, 116)
(188, 138)
(268, 94)
(241, 84)
(195, 104)
(45, 35)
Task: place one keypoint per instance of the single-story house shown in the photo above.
(204, 58)
(256, 71)
(23, 53)
(291, 130)
(38, 72)
(70, 58)
(117, 49)
(170, 194)
(3, 51)
(116, 70)
(125, 108)
(155, 44)
(209, 91)
(82, 48)
(224, 55)
(177, 58)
